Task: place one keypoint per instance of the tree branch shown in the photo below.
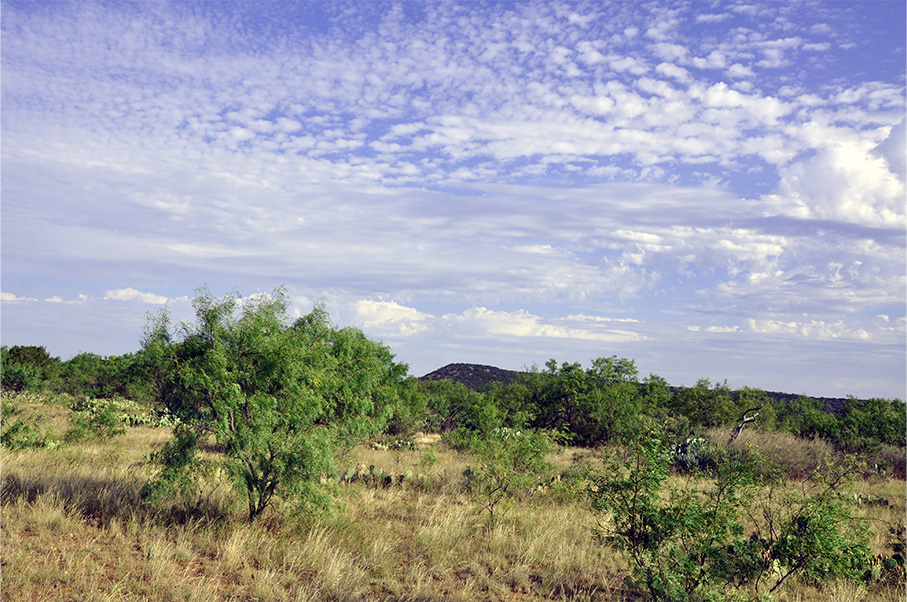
(744, 419)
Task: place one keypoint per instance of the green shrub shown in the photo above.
(696, 453)
(394, 445)
(409, 409)
(21, 428)
(95, 420)
(867, 424)
(21, 434)
(507, 461)
(177, 468)
(27, 368)
(573, 482)
(690, 544)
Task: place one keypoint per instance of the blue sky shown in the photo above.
(716, 190)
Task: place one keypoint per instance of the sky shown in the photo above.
(712, 189)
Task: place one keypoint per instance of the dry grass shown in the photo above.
(73, 528)
(794, 456)
(797, 457)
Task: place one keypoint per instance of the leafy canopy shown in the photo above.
(276, 396)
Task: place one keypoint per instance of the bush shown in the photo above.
(705, 404)
(21, 434)
(696, 453)
(690, 544)
(507, 461)
(22, 427)
(867, 424)
(410, 410)
(808, 418)
(95, 419)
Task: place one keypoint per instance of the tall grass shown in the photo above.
(798, 457)
(74, 528)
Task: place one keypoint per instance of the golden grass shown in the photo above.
(73, 528)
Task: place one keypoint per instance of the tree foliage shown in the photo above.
(276, 396)
(609, 403)
(27, 367)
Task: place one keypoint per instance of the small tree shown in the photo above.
(277, 397)
(508, 460)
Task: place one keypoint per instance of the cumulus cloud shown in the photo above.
(674, 71)
(523, 324)
(129, 294)
(390, 315)
(894, 150)
(811, 329)
(6, 297)
(845, 182)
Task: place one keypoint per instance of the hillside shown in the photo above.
(474, 376)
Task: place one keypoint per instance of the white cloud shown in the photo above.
(129, 294)
(739, 71)
(843, 182)
(894, 150)
(480, 321)
(811, 329)
(287, 126)
(11, 298)
(714, 60)
(764, 108)
(629, 64)
(674, 71)
(588, 318)
(711, 17)
(589, 54)
(390, 315)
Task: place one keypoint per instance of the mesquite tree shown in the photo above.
(277, 396)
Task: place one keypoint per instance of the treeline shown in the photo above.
(603, 404)
(31, 368)
(610, 403)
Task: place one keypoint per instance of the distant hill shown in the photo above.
(475, 376)
(479, 378)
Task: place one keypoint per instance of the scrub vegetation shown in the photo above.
(250, 456)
